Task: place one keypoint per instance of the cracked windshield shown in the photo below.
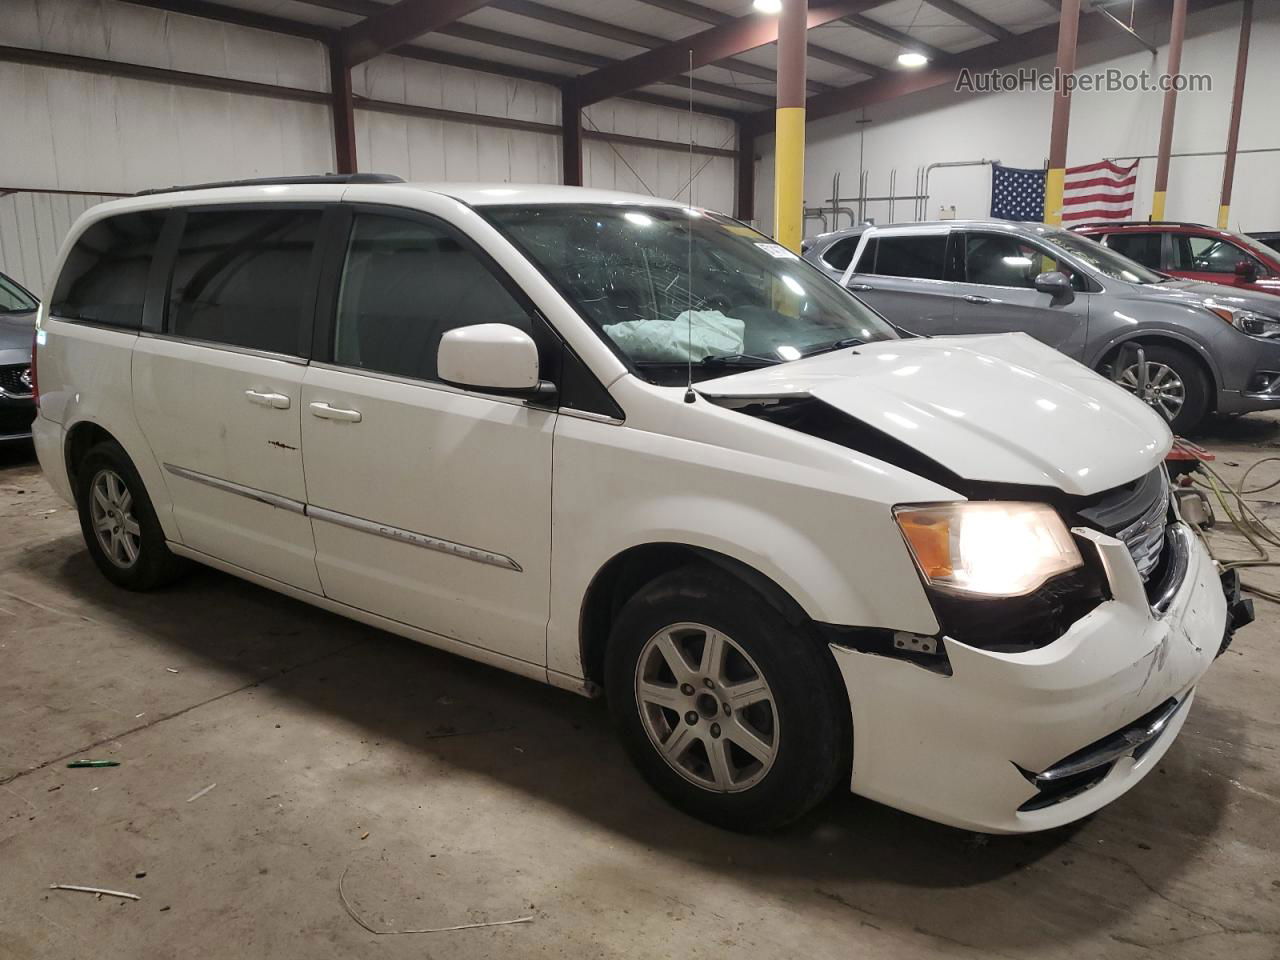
(627, 270)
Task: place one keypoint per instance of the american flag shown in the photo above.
(1094, 191)
(1099, 191)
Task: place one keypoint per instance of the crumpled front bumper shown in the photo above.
(965, 749)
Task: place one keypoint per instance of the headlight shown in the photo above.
(1250, 321)
(992, 549)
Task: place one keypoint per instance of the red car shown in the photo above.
(1193, 251)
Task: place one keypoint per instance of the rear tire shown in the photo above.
(748, 729)
(119, 523)
(1177, 387)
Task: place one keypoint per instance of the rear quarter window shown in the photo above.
(104, 279)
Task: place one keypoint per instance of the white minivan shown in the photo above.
(628, 447)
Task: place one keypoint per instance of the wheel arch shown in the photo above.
(80, 439)
(1167, 338)
(628, 571)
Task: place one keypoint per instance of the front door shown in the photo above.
(1212, 260)
(999, 294)
(218, 393)
(431, 504)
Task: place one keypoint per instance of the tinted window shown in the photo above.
(1143, 247)
(13, 299)
(104, 279)
(841, 252)
(923, 257)
(1207, 255)
(867, 262)
(242, 277)
(1001, 260)
(405, 284)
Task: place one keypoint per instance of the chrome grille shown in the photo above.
(16, 380)
(1145, 536)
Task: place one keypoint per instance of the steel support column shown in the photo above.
(1068, 34)
(1233, 132)
(1177, 30)
(788, 174)
(744, 171)
(570, 136)
(342, 106)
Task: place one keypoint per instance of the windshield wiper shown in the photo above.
(836, 345)
(737, 360)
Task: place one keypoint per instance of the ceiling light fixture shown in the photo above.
(910, 58)
(768, 6)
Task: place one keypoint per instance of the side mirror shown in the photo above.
(1247, 270)
(496, 357)
(1056, 284)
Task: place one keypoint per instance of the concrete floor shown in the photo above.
(451, 793)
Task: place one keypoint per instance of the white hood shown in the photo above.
(1005, 409)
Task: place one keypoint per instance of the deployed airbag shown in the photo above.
(694, 335)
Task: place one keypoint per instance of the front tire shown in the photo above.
(1176, 385)
(118, 522)
(731, 713)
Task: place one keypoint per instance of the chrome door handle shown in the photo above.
(972, 298)
(277, 401)
(326, 412)
(860, 287)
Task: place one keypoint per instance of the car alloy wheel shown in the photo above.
(1161, 388)
(111, 510)
(707, 707)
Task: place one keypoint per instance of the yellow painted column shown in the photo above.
(1224, 216)
(788, 178)
(1157, 204)
(1053, 188)
(788, 168)
(1177, 30)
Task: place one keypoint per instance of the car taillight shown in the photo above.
(35, 381)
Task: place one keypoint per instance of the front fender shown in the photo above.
(836, 552)
(1155, 334)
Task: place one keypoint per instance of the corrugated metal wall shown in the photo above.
(32, 226)
(78, 131)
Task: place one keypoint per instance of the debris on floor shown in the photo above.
(93, 763)
(101, 892)
(200, 793)
(342, 895)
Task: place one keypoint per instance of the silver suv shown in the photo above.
(1185, 347)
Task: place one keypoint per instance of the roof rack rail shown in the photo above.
(276, 181)
(1142, 223)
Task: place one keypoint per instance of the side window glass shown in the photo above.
(241, 277)
(104, 279)
(1002, 260)
(404, 285)
(1143, 247)
(867, 262)
(920, 257)
(1212, 255)
(13, 299)
(841, 252)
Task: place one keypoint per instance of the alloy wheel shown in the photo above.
(1161, 388)
(111, 510)
(707, 707)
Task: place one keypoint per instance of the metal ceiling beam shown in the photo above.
(726, 39)
(695, 11)
(400, 23)
(240, 17)
(958, 11)
(609, 31)
(552, 51)
(990, 56)
(877, 29)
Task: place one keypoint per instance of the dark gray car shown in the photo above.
(17, 326)
(1184, 347)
